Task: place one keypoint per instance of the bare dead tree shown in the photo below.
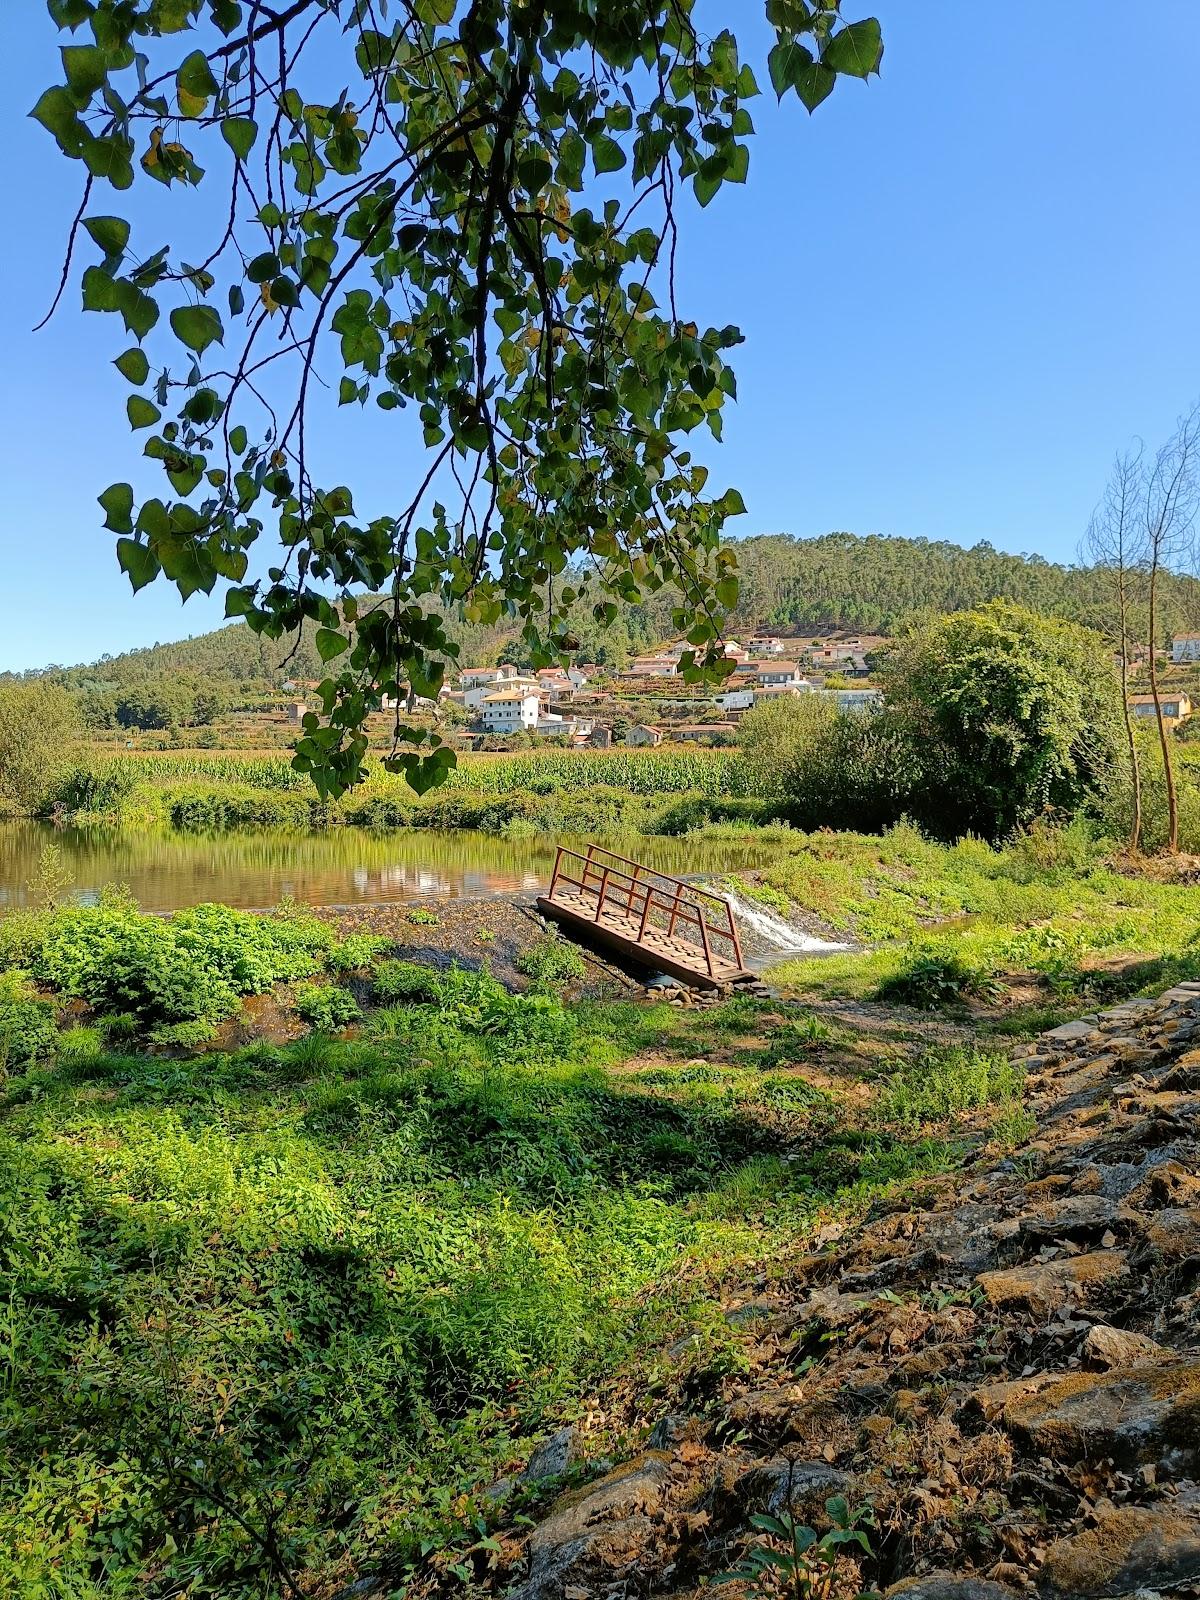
(1115, 545)
(1169, 506)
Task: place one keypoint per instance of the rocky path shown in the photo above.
(1009, 1374)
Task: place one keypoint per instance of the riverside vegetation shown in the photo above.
(284, 1301)
(280, 1312)
(308, 1244)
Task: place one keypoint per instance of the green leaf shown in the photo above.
(779, 66)
(813, 83)
(706, 185)
(237, 440)
(100, 291)
(194, 84)
(197, 327)
(607, 155)
(110, 233)
(117, 504)
(138, 561)
(142, 413)
(330, 643)
(140, 310)
(239, 134)
(263, 267)
(856, 49)
(202, 406)
(133, 365)
(58, 114)
(85, 67)
(727, 592)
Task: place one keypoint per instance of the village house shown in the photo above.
(740, 699)
(510, 711)
(296, 711)
(1185, 647)
(569, 727)
(766, 645)
(1175, 707)
(642, 734)
(600, 737)
(834, 655)
(490, 677)
(779, 675)
(474, 695)
(658, 666)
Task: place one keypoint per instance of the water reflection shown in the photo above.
(346, 865)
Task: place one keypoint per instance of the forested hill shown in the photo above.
(879, 585)
(872, 584)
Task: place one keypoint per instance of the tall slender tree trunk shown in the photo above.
(1135, 766)
(1163, 736)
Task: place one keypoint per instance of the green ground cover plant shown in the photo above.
(325, 1006)
(551, 959)
(948, 925)
(279, 1314)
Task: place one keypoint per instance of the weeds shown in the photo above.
(325, 1007)
(551, 959)
(796, 1560)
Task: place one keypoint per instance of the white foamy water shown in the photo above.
(772, 929)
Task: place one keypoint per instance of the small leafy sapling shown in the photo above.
(795, 1559)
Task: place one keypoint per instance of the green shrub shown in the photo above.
(325, 1007)
(947, 1080)
(354, 952)
(551, 959)
(120, 960)
(193, 966)
(932, 977)
(183, 1035)
(404, 980)
(28, 1030)
(420, 917)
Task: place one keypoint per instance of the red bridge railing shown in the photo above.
(655, 901)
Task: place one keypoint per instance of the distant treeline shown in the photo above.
(872, 585)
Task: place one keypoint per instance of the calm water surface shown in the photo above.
(347, 865)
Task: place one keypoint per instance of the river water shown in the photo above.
(345, 866)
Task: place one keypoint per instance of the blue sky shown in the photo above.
(962, 285)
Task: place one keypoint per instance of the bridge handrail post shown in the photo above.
(704, 941)
(600, 896)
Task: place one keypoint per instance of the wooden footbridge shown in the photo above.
(646, 916)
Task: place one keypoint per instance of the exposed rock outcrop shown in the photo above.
(1008, 1372)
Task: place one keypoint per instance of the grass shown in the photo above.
(951, 926)
(288, 1310)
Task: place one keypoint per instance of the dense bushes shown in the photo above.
(326, 1007)
(27, 1026)
(200, 808)
(191, 967)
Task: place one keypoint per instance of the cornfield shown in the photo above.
(640, 772)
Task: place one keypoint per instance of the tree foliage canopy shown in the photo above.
(1009, 715)
(39, 724)
(468, 209)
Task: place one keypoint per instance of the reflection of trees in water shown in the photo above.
(165, 870)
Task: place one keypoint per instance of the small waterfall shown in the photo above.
(773, 930)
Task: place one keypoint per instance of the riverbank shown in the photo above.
(521, 795)
(319, 1223)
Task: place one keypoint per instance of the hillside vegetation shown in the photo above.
(872, 584)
